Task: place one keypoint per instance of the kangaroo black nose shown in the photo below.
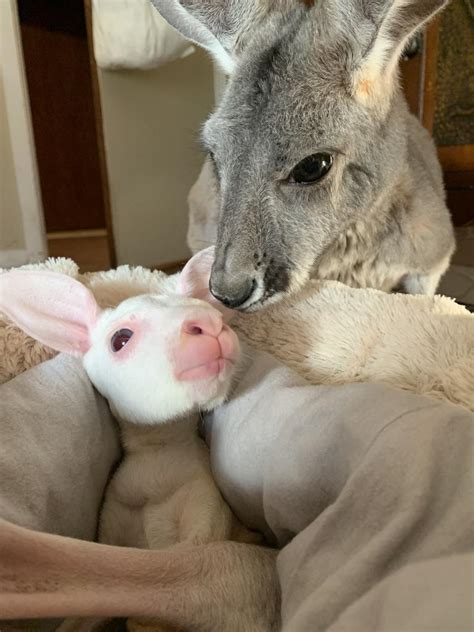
(233, 296)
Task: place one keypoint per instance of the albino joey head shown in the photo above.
(154, 357)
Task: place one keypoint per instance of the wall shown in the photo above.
(151, 122)
(11, 226)
(22, 237)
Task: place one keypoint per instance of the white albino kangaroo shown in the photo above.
(158, 360)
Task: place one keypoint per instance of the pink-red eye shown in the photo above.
(120, 339)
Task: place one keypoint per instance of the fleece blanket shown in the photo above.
(366, 489)
(329, 333)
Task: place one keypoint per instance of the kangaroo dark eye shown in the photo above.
(120, 339)
(311, 169)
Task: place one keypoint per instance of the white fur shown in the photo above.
(373, 81)
(143, 389)
(328, 332)
(162, 493)
(334, 334)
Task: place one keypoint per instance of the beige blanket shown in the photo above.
(367, 489)
(329, 333)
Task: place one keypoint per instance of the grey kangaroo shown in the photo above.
(316, 168)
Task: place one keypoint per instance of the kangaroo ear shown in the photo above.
(216, 25)
(53, 308)
(391, 25)
(194, 280)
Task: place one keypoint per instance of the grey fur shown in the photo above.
(378, 218)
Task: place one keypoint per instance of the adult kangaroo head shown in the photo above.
(310, 135)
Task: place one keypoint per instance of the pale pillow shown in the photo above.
(58, 444)
(131, 34)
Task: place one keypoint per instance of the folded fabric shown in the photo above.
(131, 34)
(368, 489)
(58, 443)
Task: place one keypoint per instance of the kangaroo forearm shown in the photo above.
(51, 576)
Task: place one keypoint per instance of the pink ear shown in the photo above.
(52, 308)
(194, 280)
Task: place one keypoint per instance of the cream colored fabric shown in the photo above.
(19, 352)
(368, 489)
(131, 34)
(58, 443)
(329, 333)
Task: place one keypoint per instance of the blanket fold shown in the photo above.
(364, 486)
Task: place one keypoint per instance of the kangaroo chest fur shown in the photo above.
(355, 260)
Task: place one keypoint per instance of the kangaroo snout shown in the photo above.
(244, 281)
(234, 276)
(232, 291)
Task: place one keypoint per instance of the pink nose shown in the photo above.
(205, 347)
(209, 324)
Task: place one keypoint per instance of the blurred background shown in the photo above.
(101, 103)
(105, 154)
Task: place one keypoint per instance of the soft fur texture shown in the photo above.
(328, 332)
(334, 334)
(18, 351)
(375, 482)
(307, 78)
(49, 576)
(179, 357)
